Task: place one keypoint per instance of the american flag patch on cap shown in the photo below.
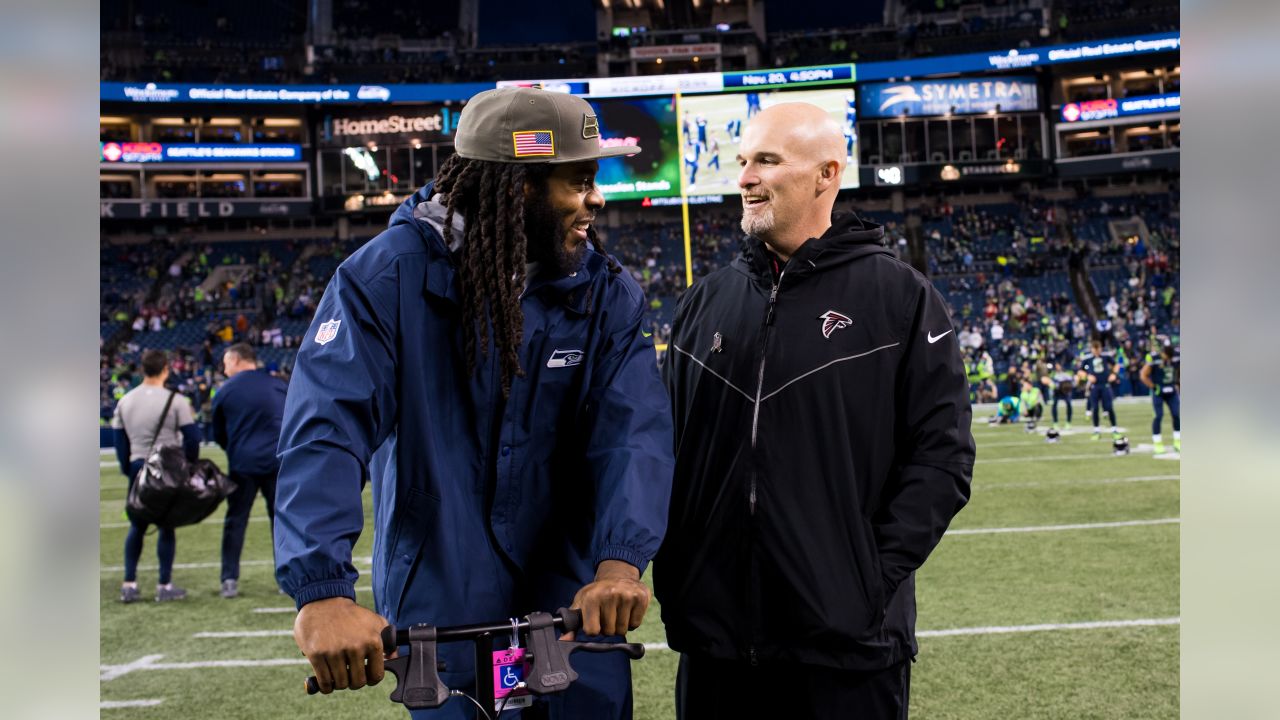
(534, 142)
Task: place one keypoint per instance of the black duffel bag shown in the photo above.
(171, 492)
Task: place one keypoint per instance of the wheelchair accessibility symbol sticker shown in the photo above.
(509, 670)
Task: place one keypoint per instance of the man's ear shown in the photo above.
(828, 173)
(529, 190)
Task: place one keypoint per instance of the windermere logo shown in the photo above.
(150, 93)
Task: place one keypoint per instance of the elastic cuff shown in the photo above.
(625, 554)
(324, 590)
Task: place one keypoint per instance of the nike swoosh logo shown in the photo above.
(933, 339)
(646, 334)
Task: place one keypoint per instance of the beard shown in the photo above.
(757, 223)
(545, 233)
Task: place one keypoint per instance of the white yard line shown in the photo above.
(112, 704)
(275, 610)
(1053, 528)
(111, 672)
(1102, 455)
(1098, 481)
(188, 566)
(1004, 629)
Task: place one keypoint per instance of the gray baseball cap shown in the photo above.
(530, 125)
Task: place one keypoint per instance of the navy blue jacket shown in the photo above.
(247, 410)
(468, 491)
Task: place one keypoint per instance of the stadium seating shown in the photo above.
(995, 252)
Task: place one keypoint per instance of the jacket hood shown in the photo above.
(426, 205)
(849, 238)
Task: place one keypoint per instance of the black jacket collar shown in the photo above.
(848, 238)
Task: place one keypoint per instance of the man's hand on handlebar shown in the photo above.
(614, 602)
(343, 642)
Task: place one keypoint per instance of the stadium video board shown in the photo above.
(651, 124)
(711, 127)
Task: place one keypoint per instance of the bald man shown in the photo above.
(822, 447)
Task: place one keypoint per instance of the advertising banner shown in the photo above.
(1023, 58)
(958, 96)
(431, 123)
(1120, 107)
(150, 152)
(160, 93)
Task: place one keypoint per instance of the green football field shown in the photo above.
(1054, 595)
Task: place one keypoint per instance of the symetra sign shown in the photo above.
(959, 96)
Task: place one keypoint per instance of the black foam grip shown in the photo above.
(571, 620)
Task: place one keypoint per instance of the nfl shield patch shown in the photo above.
(327, 331)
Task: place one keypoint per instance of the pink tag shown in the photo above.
(509, 670)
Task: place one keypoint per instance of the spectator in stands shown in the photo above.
(146, 418)
(246, 423)
(761, 608)
(510, 418)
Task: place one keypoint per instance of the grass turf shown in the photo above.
(974, 580)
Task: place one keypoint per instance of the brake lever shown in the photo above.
(418, 683)
(551, 670)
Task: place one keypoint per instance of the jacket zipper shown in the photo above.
(755, 417)
(752, 656)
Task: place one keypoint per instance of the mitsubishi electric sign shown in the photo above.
(957, 96)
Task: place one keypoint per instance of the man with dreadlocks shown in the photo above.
(482, 363)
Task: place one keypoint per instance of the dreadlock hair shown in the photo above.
(490, 196)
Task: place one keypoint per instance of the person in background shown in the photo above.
(1162, 374)
(247, 410)
(148, 417)
(1098, 368)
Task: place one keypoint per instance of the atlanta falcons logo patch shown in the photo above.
(833, 321)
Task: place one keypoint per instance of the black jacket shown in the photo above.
(822, 447)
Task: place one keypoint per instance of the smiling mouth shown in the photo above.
(580, 228)
(753, 201)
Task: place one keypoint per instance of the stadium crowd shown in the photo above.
(1005, 269)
